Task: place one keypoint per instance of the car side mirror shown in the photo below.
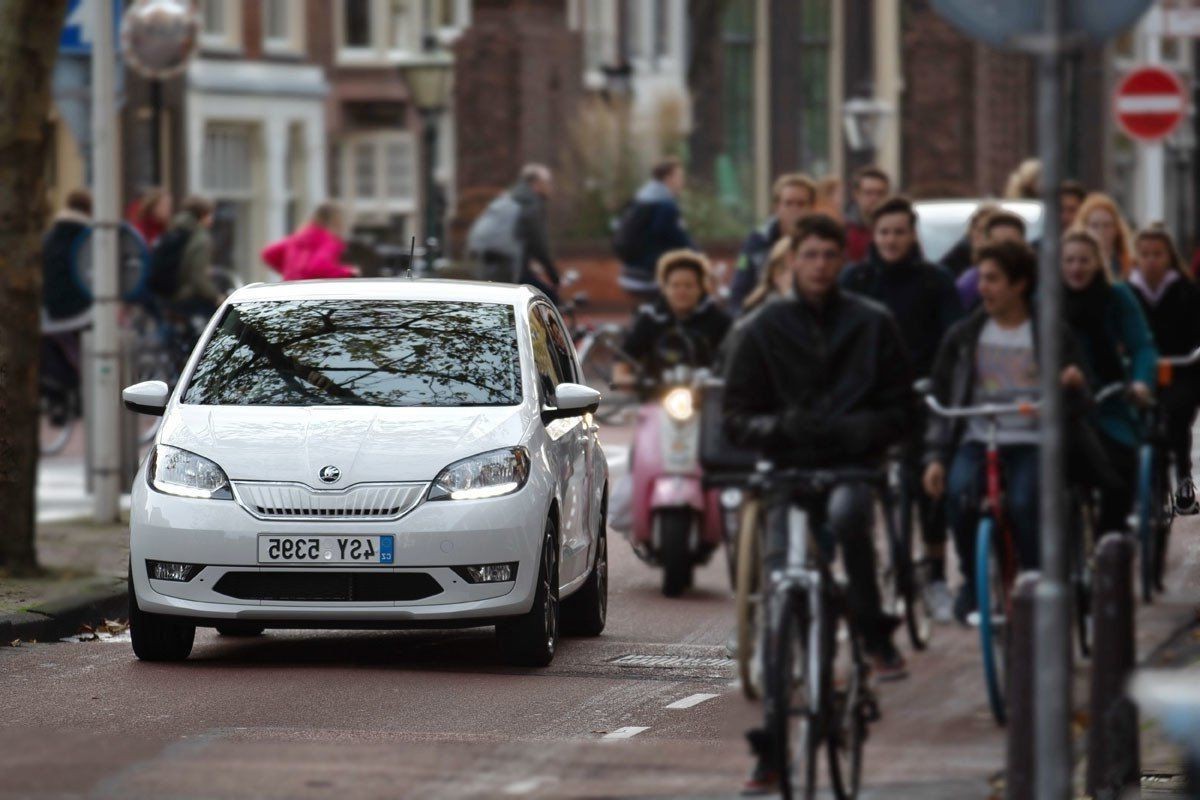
(147, 397)
(574, 400)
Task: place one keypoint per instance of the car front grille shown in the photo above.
(315, 587)
(296, 501)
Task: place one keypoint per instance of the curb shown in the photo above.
(99, 600)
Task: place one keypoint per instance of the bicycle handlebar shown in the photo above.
(1110, 390)
(985, 410)
(816, 479)
(1182, 361)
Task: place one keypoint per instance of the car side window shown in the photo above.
(561, 348)
(543, 358)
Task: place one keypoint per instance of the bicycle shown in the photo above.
(995, 551)
(1162, 533)
(815, 672)
(903, 578)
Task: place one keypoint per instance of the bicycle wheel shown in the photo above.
(1083, 542)
(1147, 537)
(793, 694)
(748, 601)
(598, 356)
(991, 597)
(913, 576)
(1163, 520)
(846, 697)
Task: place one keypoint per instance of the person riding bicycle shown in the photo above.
(794, 196)
(992, 357)
(683, 326)
(924, 302)
(823, 380)
(1170, 299)
(1118, 347)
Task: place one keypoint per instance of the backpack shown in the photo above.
(493, 235)
(630, 229)
(166, 261)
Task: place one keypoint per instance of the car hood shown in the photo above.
(365, 444)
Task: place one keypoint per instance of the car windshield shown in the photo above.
(360, 353)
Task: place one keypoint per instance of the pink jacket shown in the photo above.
(311, 252)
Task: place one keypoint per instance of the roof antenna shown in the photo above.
(412, 254)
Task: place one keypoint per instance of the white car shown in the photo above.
(372, 454)
(941, 223)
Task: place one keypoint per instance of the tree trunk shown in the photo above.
(29, 31)
(704, 79)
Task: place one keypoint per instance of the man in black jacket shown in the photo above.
(823, 381)
(924, 302)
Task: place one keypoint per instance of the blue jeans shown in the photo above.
(966, 486)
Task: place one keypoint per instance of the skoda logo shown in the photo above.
(330, 474)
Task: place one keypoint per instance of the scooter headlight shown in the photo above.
(679, 404)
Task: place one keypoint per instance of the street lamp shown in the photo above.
(428, 78)
(863, 119)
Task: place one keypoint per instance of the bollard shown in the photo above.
(1020, 759)
(1114, 765)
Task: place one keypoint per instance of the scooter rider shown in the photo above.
(685, 307)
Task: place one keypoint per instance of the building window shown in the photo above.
(356, 24)
(816, 31)
(598, 21)
(220, 22)
(283, 26)
(735, 166)
(387, 31)
(378, 181)
(229, 175)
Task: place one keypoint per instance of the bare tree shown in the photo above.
(29, 33)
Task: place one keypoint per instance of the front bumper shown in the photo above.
(432, 539)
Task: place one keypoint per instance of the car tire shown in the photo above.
(155, 637)
(586, 612)
(246, 629)
(531, 639)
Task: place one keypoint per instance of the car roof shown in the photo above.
(388, 289)
(963, 207)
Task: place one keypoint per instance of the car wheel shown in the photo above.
(586, 611)
(531, 639)
(240, 629)
(155, 637)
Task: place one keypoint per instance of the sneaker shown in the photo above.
(1185, 499)
(964, 606)
(886, 662)
(940, 602)
(762, 781)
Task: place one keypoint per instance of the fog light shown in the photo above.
(172, 571)
(488, 573)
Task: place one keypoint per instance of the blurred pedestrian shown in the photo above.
(1071, 195)
(64, 297)
(871, 187)
(1025, 182)
(1100, 216)
(830, 197)
(180, 263)
(777, 277)
(650, 226)
(150, 214)
(792, 196)
(509, 242)
(998, 226)
(314, 251)
(961, 257)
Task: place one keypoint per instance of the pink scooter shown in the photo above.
(677, 522)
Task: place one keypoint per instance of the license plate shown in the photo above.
(325, 549)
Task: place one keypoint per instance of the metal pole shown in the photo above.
(104, 424)
(429, 117)
(156, 108)
(1153, 161)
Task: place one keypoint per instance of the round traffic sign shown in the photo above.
(1150, 103)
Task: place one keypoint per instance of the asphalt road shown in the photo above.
(436, 715)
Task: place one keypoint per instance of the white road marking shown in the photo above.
(526, 786)
(692, 700)
(628, 732)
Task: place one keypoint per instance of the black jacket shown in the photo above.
(751, 261)
(958, 259)
(63, 295)
(953, 382)
(920, 296)
(531, 230)
(704, 328)
(1175, 318)
(844, 366)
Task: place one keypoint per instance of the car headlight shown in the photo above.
(184, 474)
(679, 405)
(488, 474)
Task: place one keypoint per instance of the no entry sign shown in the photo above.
(1150, 103)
